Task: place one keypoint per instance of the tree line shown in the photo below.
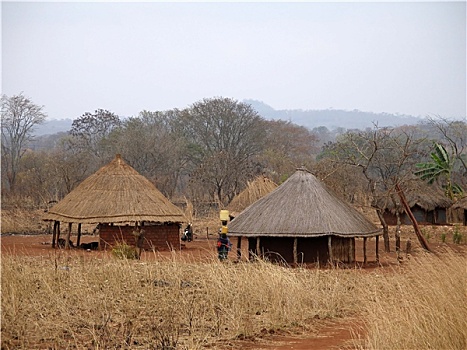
(208, 152)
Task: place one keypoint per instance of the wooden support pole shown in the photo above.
(295, 256)
(239, 247)
(352, 250)
(78, 240)
(364, 250)
(377, 249)
(58, 231)
(258, 247)
(68, 235)
(54, 234)
(331, 258)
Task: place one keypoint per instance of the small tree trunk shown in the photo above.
(387, 247)
(420, 237)
(398, 232)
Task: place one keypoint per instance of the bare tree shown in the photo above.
(223, 138)
(19, 117)
(287, 147)
(90, 133)
(152, 145)
(386, 158)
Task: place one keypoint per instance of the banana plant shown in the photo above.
(440, 166)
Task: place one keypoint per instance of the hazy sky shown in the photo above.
(395, 57)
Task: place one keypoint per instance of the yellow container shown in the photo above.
(224, 215)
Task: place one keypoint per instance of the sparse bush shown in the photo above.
(457, 236)
(443, 237)
(124, 251)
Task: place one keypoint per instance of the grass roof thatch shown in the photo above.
(418, 192)
(116, 193)
(461, 204)
(254, 190)
(301, 207)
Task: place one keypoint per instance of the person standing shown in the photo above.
(223, 246)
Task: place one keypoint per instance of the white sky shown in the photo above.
(394, 57)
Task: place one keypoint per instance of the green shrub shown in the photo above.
(443, 237)
(124, 251)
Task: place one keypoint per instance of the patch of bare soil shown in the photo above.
(329, 335)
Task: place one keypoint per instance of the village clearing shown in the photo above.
(54, 298)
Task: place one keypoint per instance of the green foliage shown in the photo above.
(443, 237)
(457, 237)
(441, 166)
(124, 251)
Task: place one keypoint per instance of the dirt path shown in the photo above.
(333, 335)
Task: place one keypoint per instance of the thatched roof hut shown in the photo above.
(254, 190)
(303, 212)
(461, 205)
(427, 202)
(117, 195)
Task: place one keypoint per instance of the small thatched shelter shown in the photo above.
(254, 190)
(125, 205)
(428, 204)
(303, 221)
(461, 204)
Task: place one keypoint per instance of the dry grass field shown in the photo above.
(57, 299)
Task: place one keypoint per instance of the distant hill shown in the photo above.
(333, 118)
(330, 118)
(53, 126)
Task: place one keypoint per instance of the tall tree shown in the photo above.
(152, 145)
(224, 137)
(19, 117)
(287, 147)
(90, 133)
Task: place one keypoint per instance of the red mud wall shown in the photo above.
(156, 237)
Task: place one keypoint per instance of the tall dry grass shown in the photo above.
(101, 304)
(71, 302)
(423, 307)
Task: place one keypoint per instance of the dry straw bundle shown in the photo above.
(254, 190)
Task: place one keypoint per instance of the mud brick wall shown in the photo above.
(156, 237)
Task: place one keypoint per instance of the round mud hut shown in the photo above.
(125, 206)
(302, 221)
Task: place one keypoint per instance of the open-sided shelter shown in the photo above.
(125, 205)
(303, 221)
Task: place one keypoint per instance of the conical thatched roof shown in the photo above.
(254, 190)
(418, 192)
(301, 207)
(115, 193)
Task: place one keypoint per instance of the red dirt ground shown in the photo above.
(335, 335)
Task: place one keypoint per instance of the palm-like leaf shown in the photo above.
(440, 165)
